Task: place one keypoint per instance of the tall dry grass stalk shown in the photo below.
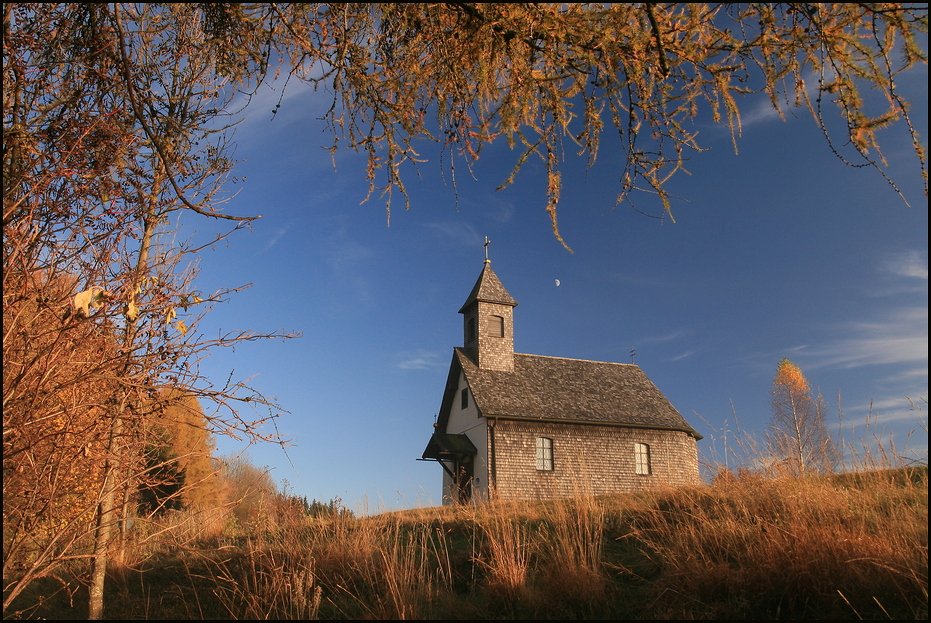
(173, 529)
(573, 546)
(270, 584)
(536, 554)
(786, 544)
(505, 552)
(409, 572)
(375, 568)
(875, 448)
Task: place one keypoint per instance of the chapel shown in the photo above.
(515, 426)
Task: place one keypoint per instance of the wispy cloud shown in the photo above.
(684, 355)
(885, 410)
(666, 337)
(892, 428)
(273, 107)
(345, 254)
(499, 209)
(911, 263)
(462, 234)
(420, 360)
(897, 336)
(901, 337)
(762, 110)
(278, 235)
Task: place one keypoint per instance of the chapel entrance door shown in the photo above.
(463, 479)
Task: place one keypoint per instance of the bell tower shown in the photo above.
(488, 321)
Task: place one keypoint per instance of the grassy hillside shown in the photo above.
(850, 546)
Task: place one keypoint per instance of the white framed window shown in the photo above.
(464, 399)
(642, 459)
(544, 454)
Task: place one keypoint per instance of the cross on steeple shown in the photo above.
(487, 242)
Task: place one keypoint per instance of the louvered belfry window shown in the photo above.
(544, 454)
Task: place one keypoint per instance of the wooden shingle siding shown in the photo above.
(587, 460)
(496, 352)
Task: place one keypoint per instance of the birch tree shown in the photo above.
(798, 435)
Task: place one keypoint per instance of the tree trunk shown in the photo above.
(106, 515)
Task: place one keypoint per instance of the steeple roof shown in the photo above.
(488, 289)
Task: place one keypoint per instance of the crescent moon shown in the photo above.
(557, 283)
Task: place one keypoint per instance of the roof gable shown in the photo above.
(572, 390)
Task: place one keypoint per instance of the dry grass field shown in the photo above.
(746, 546)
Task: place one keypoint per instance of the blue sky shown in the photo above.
(780, 251)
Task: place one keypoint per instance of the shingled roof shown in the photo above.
(488, 289)
(558, 389)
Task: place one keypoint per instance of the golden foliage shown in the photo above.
(549, 76)
(180, 416)
(109, 127)
(789, 378)
(58, 379)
